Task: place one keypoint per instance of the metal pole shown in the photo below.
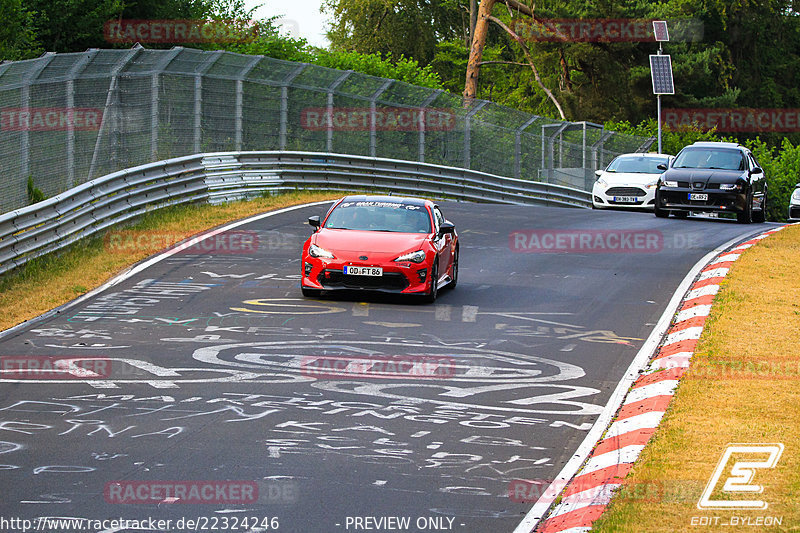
(284, 124)
(239, 126)
(422, 107)
(518, 146)
(658, 99)
(373, 133)
(329, 110)
(468, 133)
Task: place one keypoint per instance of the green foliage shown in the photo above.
(35, 194)
(17, 34)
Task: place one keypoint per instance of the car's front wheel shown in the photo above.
(761, 216)
(660, 213)
(746, 216)
(434, 290)
(454, 272)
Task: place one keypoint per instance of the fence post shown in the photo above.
(433, 96)
(240, 99)
(373, 135)
(158, 69)
(468, 132)
(329, 110)
(284, 126)
(518, 146)
(27, 81)
(72, 75)
(198, 98)
(112, 87)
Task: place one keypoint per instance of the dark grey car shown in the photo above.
(713, 177)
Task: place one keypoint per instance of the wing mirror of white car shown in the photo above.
(598, 173)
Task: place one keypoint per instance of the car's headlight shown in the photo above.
(652, 185)
(316, 251)
(413, 257)
(602, 182)
(796, 195)
(729, 186)
(669, 183)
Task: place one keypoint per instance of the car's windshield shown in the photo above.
(710, 158)
(380, 216)
(637, 165)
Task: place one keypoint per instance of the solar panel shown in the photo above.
(661, 73)
(660, 30)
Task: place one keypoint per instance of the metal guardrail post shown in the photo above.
(518, 146)
(433, 96)
(239, 127)
(284, 119)
(198, 97)
(373, 136)
(329, 110)
(468, 132)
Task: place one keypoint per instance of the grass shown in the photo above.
(742, 387)
(52, 280)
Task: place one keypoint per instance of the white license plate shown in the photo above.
(627, 199)
(363, 271)
(698, 196)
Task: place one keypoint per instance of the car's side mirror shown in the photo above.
(447, 227)
(598, 172)
(661, 166)
(755, 170)
(314, 222)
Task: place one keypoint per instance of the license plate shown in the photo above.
(698, 196)
(626, 199)
(363, 271)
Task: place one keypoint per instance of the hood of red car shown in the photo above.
(345, 240)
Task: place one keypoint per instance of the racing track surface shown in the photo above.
(209, 378)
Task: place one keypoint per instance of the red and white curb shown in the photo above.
(585, 497)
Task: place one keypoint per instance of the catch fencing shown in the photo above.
(66, 119)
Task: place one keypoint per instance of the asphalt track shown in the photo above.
(211, 378)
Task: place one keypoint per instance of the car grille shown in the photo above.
(390, 281)
(794, 212)
(684, 184)
(625, 191)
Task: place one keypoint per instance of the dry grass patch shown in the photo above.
(742, 387)
(50, 281)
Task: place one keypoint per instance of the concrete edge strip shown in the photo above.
(580, 513)
(135, 269)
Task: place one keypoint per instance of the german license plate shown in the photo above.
(625, 199)
(698, 196)
(363, 271)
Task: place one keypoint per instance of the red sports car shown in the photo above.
(381, 243)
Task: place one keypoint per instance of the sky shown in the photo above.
(301, 18)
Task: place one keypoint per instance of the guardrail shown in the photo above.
(220, 177)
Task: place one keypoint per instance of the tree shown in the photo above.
(17, 35)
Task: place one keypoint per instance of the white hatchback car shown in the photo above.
(629, 181)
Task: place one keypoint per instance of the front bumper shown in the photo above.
(794, 212)
(718, 201)
(623, 196)
(400, 278)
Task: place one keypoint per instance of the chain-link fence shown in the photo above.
(69, 118)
